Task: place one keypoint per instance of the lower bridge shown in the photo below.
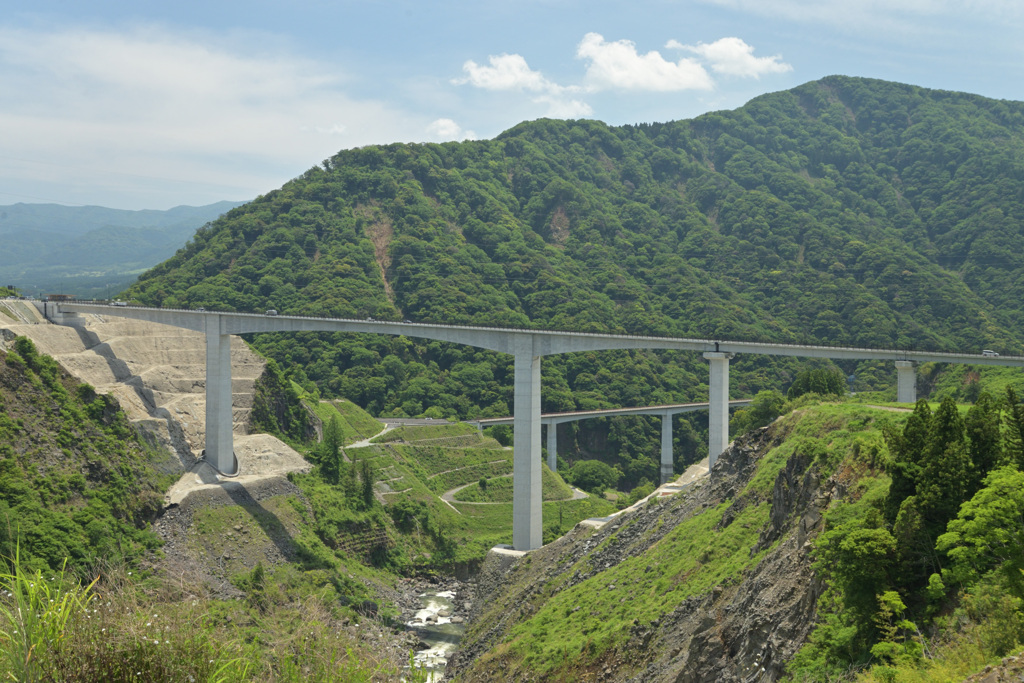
(666, 412)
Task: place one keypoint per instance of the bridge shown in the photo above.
(552, 420)
(525, 345)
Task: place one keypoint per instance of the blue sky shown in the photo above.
(149, 105)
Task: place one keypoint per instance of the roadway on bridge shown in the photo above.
(527, 346)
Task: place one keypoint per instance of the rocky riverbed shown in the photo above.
(435, 612)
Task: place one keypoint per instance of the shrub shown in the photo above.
(593, 476)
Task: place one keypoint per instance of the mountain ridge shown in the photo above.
(844, 211)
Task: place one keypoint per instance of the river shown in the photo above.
(433, 624)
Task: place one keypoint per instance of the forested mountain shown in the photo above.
(844, 211)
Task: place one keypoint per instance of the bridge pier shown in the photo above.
(718, 405)
(552, 446)
(220, 447)
(527, 511)
(666, 448)
(906, 382)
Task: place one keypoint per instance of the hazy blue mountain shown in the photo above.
(80, 220)
(91, 250)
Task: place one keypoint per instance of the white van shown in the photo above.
(989, 352)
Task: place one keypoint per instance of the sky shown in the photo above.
(135, 104)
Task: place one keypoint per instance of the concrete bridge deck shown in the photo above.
(552, 420)
(526, 345)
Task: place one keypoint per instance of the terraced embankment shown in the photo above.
(157, 374)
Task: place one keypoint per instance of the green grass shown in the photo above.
(289, 627)
(240, 535)
(576, 625)
(356, 424)
(499, 489)
(428, 471)
(955, 380)
(573, 627)
(360, 422)
(828, 433)
(428, 433)
(489, 525)
(441, 469)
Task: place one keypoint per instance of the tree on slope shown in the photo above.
(945, 469)
(906, 448)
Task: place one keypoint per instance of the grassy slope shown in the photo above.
(76, 481)
(356, 424)
(78, 486)
(422, 470)
(567, 624)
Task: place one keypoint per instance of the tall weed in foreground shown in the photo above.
(56, 630)
(34, 615)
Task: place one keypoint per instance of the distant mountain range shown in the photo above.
(91, 250)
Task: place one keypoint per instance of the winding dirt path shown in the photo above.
(449, 496)
(891, 409)
(365, 443)
(457, 469)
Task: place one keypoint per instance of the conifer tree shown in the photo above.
(331, 464)
(906, 448)
(983, 431)
(915, 548)
(1014, 421)
(945, 469)
(367, 474)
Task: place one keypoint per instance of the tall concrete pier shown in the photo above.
(220, 451)
(906, 382)
(527, 505)
(718, 408)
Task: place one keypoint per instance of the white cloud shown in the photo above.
(618, 65)
(137, 108)
(446, 130)
(512, 73)
(564, 108)
(506, 72)
(733, 57)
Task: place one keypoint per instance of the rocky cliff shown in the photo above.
(750, 605)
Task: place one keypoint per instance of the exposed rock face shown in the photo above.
(1011, 669)
(745, 629)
